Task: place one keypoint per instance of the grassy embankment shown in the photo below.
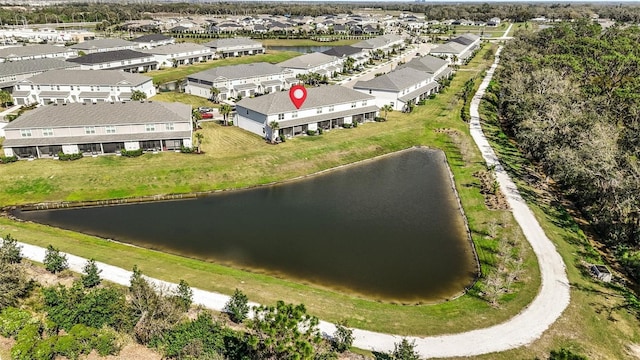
(595, 309)
(173, 74)
(236, 159)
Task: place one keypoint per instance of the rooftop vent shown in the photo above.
(84, 103)
(55, 104)
(64, 104)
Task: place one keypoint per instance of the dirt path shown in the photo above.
(522, 329)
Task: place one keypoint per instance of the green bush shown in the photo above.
(320, 131)
(8, 159)
(378, 119)
(106, 343)
(347, 125)
(187, 150)
(237, 307)
(131, 153)
(69, 157)
(11, 117)
(26, 341)
(55, 262)
(311, 132)
(13, 320)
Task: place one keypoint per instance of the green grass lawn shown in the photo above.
(484, 30)
(234, 159)
(181, 72)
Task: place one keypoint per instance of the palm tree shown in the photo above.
(199, 138)
(274, 128)
(387, 109)
(225, 110)
(214, 93)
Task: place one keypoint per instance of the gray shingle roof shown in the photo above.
(377, 42)
(109, 56)
(32, 66)
(103, 44)
(279, 102)
(19, 51)
(466, 39)
(395, 80)
(151, 38)
(231, 42)
(88, 77)
(307, 61)
(238, 71)
(102, 113)
(449, 48)
(342, 51)
(175, 48)
(426, 63)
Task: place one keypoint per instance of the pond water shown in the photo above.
(387, 229)
(301, 49)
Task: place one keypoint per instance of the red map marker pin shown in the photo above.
(298, 95)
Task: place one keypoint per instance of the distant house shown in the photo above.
(99, 128)
(32, 52)
(459, 49)
(72, 86)
(15, 71)
(235, 47)
(153, 40)
(127, 60)
(399, 87)
(179, 54)
(316, 62)
(494, 21)
(104, 45)
(242, 80)
(326, 107)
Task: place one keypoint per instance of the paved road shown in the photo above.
(520, 330)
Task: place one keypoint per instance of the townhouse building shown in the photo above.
(98, 129)
(316, 62)
(78, 86)
(126, 60)
(244, 80)
(40, 51)
(153, 40)
(103, 45)
(326, 107)
(234, 47)
(179, 54)
(399, 87)
(458, 50)
(14, 71)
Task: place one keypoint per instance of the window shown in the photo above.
(169, 127)
(38, 87)
(25, 132)
(92, 88)
(319, 110)
(89, 130)
(364, 103)
(280, 116)
(353, 105)
(294, 114)
(110, 129)
(71, 87)
(57, 87)
(150, 127)
(47, 132)
(331, 108)
(98, 88)
(369, 91)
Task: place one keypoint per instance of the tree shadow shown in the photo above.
(381, 356)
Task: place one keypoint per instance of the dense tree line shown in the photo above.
(570, 95)
(116, 13)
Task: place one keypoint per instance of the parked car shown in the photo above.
(204, 109)
(207, 115)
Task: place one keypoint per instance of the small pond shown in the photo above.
(387, 229)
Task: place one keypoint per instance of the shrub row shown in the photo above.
(69, 157)
(8, 159)
(131, 153)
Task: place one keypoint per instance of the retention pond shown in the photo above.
(388, 229)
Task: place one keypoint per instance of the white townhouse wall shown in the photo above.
(73, 86)
(179, 54)
(316, 62)
(14, 71)
(127, 60)
(326, 107)
(31, 52)
(244, 80)
(153, 40)
(233, 47)
(102, 45)
(399, 87)
(100, 128)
